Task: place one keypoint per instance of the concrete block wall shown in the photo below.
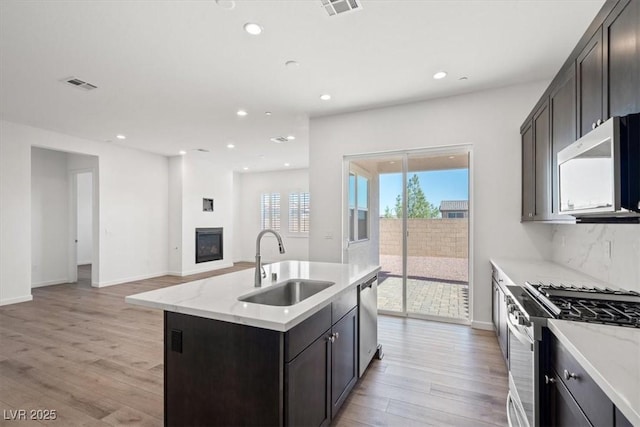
(427, 237)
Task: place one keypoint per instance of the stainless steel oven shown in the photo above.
(525, 323)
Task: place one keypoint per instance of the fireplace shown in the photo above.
(208, 244)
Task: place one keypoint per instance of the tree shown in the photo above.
(417, 204)
(387, 212)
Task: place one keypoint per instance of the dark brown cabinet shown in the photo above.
(562, 109)
(307, 385)
(344, 362)
(499, 302)
(542, 150)
(599, 80)
(621, 59)
(590, 85)
(528, 175)
(572, 396)
(222, 373)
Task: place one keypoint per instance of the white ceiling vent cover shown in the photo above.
(279, 139)
(80, 84)
(336, 7)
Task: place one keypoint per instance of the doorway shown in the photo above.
(420, 230)
(83, 227)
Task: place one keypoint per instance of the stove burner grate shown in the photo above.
(598, 311)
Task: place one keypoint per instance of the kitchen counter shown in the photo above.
(520, 271)
(610, 355)
(217, 297)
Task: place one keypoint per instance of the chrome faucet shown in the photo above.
(259, 269)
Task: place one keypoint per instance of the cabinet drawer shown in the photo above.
(302, 335)
(589, 396)
(344, 304)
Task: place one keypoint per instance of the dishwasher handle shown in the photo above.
(368, 283)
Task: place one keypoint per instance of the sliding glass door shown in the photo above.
(417, 219)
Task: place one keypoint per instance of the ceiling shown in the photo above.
(172, 74)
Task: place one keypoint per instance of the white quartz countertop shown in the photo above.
(217, 297)
(520, 271)
(610, 355)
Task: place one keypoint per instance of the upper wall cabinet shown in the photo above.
(528, 175)
(621, 58)
(590, 96)
(599, 80)
(562, 106)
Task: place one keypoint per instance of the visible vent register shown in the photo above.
(336, 7)
(80, 84)
(279, 139)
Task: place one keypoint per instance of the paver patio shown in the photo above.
(436, 286)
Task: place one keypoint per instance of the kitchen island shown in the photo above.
(233, 362)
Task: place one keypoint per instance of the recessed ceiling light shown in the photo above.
(292, 64)
(325, 97)
(230, 146)
(252, 28)
(440, 75)
(287, 164)
(267, 113)
(291, 137)
(226, 4)
(245, 168)
(182, 152)
(121, 137)
(242, 113)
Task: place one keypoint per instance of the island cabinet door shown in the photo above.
(307, 385)
(344, 362)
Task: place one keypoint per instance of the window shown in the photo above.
(455, 215)
(299, 212)
(358, 207)
(270, 211)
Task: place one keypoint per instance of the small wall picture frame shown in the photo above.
(207, 205)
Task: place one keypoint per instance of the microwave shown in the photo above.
(599, 174)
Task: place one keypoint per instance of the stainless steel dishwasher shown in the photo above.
(368, 321)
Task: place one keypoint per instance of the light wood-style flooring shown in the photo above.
(98, 361)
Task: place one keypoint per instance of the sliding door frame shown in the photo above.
(405, 155)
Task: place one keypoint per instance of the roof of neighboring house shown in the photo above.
(454, 205)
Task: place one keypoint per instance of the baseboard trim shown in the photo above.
(129, 279)
(16, 300)
(486, 326)
(50, 283)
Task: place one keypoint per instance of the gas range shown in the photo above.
(587, 303)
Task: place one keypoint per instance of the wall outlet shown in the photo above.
(328, 235)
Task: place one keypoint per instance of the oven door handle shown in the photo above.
(522, 337)
(509, 422)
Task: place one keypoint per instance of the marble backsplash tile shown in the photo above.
(609, 252)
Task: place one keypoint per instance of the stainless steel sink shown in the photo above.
(287, 293)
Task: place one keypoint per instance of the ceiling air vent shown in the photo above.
(80, 84)
(336, 7)
(279, 139)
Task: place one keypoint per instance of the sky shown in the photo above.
(451, 184)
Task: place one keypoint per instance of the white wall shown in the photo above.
(193, 177)
(133, 216)
(489, 120)
(583, 247)
(84, 218)
(175, 215)
(248, 189)
(49, 217)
